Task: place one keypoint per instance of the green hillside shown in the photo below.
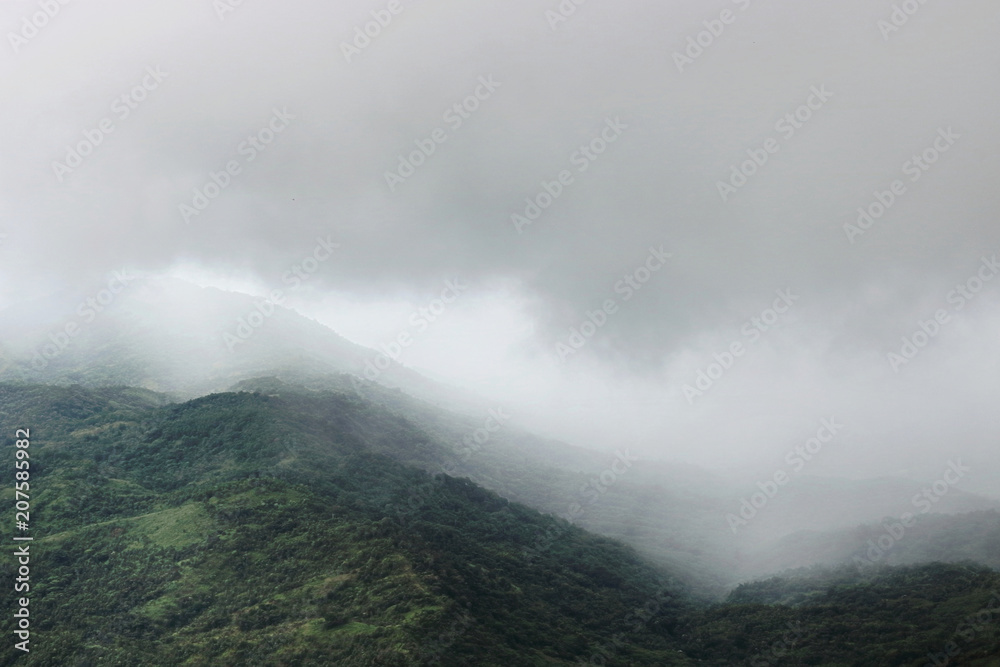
(290, 528)
(234, 530)
(880, 616)
(168, 335)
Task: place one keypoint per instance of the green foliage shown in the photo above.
(850, 616)
(248, 529)
(290, 528)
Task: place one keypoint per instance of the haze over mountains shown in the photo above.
(514, 332)
(654, 191)
(170, 336)
(173, 336)
(281, 523)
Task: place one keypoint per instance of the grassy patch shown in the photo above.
(177, 527)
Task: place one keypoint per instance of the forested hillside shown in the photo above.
(232, 530)
(247, 528)
(168, 336)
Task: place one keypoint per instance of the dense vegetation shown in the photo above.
(851, 616)
(236, 530)
(291, 528)
(168, 335)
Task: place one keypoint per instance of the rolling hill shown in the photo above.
(169, 336)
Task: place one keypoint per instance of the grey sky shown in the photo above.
(887, 96)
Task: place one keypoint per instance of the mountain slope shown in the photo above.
(246, 528)
(170, 336)
(933, 614)
(972, 536)
(672, 514)
(227, 530)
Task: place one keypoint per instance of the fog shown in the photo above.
(620, 235)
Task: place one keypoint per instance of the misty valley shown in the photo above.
(191, 505)
(506, 333)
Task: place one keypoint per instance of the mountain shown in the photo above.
(246, 529)
(281, 528)
(973, 536)
(934, 614)
(809, 501)
(170, 336)
(673, 514)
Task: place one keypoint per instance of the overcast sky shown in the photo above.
(721, 180)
